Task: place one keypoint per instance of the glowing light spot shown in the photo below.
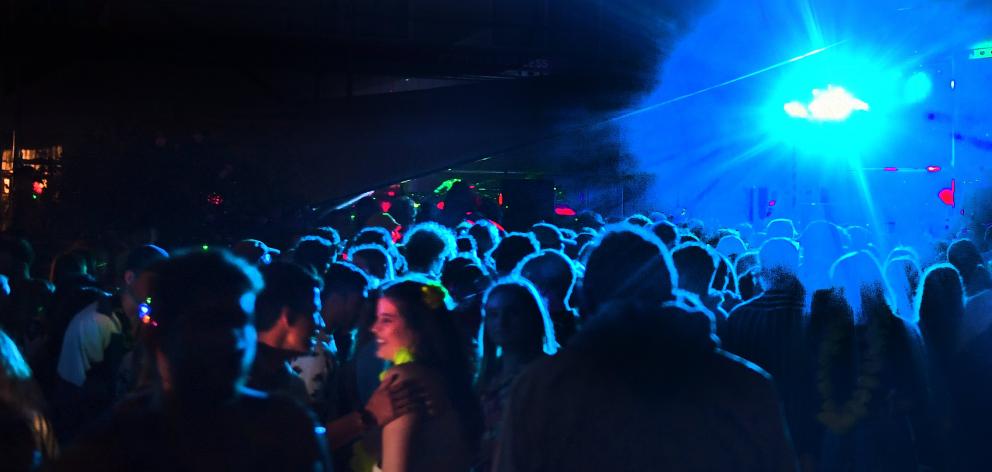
(446, 185)
(385, 206)
(564, 211)
(891, 169)
(796, 110)
(215, 199)
(933, 168)
(954, 84)
(946, 195)
(499, 199)
(205, 247)
(772, 203)
(34, 197)
(440, 206)
(38, 188)
(918, 87)
(391, 193)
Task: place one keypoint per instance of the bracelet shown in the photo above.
(368, 419)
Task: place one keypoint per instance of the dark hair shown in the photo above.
(940, 305)
(550, 271)
(511, 250)
(426, 309)
(372, 235)
(426, 245)
(964, 256)
(627, 262)
(286, 285)
(465, 277)
(68, 266)
(377, 261)
(330, 234)
(143, 256)
(666, 232)
(466, 244)
(639, 220)
(696, 265)
(486, 236)
(314, 252)
(403, 210)
(345, 277)
(196, 290)
(548, 236)
(522, 301)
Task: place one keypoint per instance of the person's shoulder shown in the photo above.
(411, 371)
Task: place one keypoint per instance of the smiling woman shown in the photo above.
(416, 331)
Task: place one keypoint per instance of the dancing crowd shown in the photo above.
(395, 343)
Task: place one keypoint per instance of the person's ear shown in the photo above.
(129, 277)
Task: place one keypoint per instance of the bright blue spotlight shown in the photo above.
(918, 87)
(832, 104)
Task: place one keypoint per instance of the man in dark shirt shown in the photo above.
(198, 416)
(287, 317)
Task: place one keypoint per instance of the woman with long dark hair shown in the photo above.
(517, 331)
(415, 330)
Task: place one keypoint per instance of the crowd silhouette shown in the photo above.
(397, 343)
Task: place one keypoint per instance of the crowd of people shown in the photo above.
(630, 344)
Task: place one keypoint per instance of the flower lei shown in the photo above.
(841, 418)
(402, 356)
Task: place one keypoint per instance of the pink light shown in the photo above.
(440, 206)
(391, 193)
(385, 206)
(564, 211)
(891, 169)
(772, 203)
(499, 199)
(933, 168)
(946, 195)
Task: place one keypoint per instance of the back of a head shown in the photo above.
(696, 266)
(372, 235)
(864, 286)
(780, 228)
(314, 252)
(964, 256)
(627, 262)
(779, 254)
(666, 232)
(374, 260)
(903, 275)
(464, 277)
(346, 278)
(328, 233)
(142, 257)
(731, 246)
(858, 238)
(511, 250)
(824, 241)
(68, 266)
(486, 236)
(286, 285)
(548, 236)
(426, 246)
(940, 299)
(640, 220)
(403, 211)
(551, 272)
(202, 300)
(16, 256)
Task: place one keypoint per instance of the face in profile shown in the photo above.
(390, 330)
(304, 333)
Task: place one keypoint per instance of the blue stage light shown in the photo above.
(918, 87)
(830, 104)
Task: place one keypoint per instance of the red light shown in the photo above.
(946, 195)
(499, 199)
(891, 169)
(440, 206)
(391, 193)
(38, 188)
(472, 187)
(772, 203)
(215, 199)
(564, 211)
(385, 206)
(933, 168)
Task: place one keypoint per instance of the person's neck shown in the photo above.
(271, 349)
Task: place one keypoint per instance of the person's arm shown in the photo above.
(396, 447)
(393, 399)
